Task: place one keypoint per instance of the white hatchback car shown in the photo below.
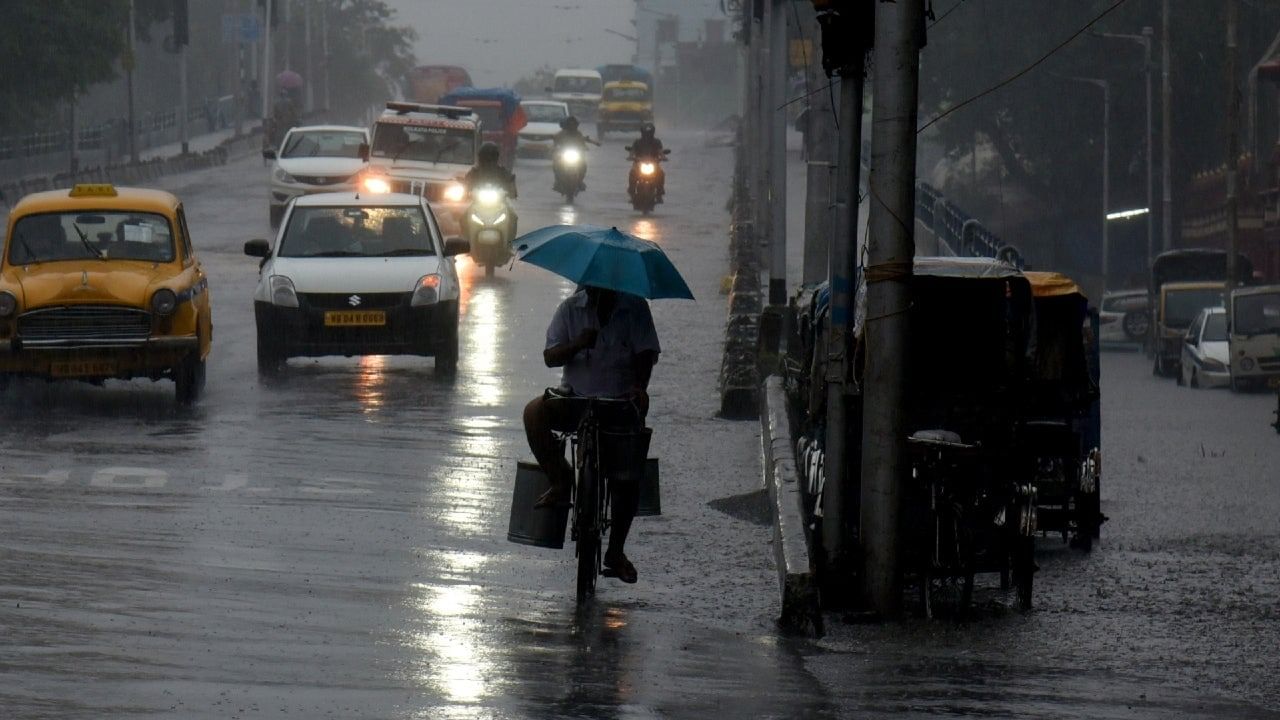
(357, 275)
(544, 117)
(1205, 354)
(314, 159)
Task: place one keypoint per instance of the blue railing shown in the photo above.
(960, 232)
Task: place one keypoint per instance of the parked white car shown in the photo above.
(357, 275)
(314, 159)
(1255, 337)
(1124, 317)
(544, 118)
(1205, 359)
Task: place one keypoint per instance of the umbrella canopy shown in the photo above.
(289, 80)
(603, 257)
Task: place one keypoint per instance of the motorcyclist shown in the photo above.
(488, 171)
(648, 147)
(284, 116)
(570, 135)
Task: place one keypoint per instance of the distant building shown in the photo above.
(661, 24)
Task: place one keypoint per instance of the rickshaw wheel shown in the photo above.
(1024, 568)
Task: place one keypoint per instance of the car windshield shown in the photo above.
(323, 143)
(577, 84)
(1257, 314)
(1181, 306)
(357, 232)
(626, 94)
(422, 143)
(545, 113)
(1215, 328)
(114, 235)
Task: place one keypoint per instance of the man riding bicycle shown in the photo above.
(607, 345)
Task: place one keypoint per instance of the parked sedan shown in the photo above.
(1124, 317)
(1205, 352)
(544, 122)
(355, 274)
(314, 159)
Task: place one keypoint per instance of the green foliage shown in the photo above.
(1047, 130)
(368, 55)
(53, 48)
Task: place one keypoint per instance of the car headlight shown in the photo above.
(488, 196)
(163, 302)
(282, 292)
(427, 291)
(571, 156)
(647, 168)
(376, 185)
(456, 192)
(8, 304)
(1246, 364)
(284, 177)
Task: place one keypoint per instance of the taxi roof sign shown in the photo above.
(93, 190)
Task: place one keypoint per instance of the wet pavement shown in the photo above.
(333, 545)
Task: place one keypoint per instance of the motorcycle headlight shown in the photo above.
(477, 219)
(427, 291)
(282, 292)
(8, 304)
(647, 168)
(456, 192)
(1246, 364)
(163, 302)
(376, 185)
(284, 177)
(488, 196)
(500, 219)
(571, 156)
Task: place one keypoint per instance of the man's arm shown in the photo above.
(643, 363)
(560, 355)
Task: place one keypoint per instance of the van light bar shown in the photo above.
(1126, 214)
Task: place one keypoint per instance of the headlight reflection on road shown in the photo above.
(454, 662)
(646, 229)
(481, 334)
(369, 383)
(568, 215)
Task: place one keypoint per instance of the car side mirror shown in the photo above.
(456, 246)
(257, 248)
(363, 152)
(268, 153)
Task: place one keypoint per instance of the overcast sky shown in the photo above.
(499, 41)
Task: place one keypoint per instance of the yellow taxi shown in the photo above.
(99, 282)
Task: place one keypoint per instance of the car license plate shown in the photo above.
(355, 318)
(82, 368)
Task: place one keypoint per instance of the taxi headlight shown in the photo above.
(456, 192)
(284, 177)
(376, 185)
(1246, 364)
(646, 168)
(282, 292)
(488, 196)
(163, 302)
(8, 304)
(427, 291)
(571, 156)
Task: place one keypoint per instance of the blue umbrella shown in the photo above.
(603, 257)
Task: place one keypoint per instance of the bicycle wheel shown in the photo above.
(588, 514)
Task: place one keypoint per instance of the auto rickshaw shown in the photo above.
(1060, 434)
(500, 113)
(969, 501)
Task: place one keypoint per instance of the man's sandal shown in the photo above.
(620, 567)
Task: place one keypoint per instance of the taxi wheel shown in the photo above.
(189, 379)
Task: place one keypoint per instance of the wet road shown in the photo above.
(334, 545)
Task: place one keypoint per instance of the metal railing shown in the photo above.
(958, 231)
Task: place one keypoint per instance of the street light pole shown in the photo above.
(1166, 133)
(1106, 166)
(1145, 39)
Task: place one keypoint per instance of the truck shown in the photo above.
(428, 83)
(581, 89)
(1182, 283)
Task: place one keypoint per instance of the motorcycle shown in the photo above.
(570, 165)
(644, 191)
(489, 225)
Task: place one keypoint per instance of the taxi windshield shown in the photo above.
(323, 143)
(114, 235)
(357, 232)
(424, 143)
(626, 94)
(1257, 314)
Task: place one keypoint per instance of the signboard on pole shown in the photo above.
(240, 28)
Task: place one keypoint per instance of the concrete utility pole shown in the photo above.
(183, 130)
(132, 62)
(841, 274)
(779, 60)
(308, 99)
(324, 50)
(819, 195)
(266, 60)
(1233, 142)
(1145, 40)
(763, 136)
(1166, 134)
(890, 252)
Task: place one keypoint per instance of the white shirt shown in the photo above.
(606, 370)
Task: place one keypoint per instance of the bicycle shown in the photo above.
(592, 501)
